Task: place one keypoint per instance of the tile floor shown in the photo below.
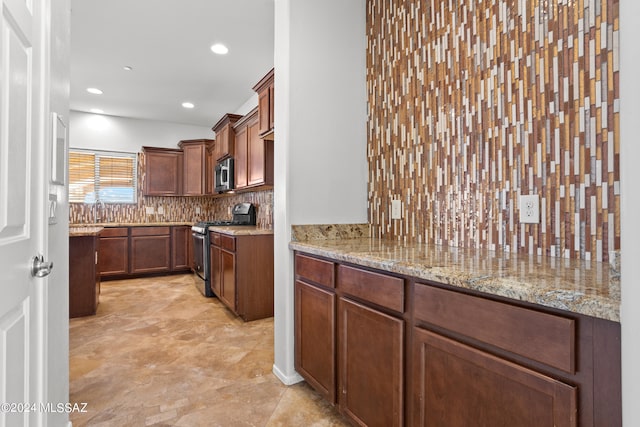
(158, 353)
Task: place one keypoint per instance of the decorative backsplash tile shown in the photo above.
(472, 104)
(176, 209)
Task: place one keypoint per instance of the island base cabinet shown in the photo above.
(370, 365)
(315, 311)
(84, 279)
(454, 383)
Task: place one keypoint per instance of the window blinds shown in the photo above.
(107, 176)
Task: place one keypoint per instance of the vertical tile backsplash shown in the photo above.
(179, 209)
(473, 103)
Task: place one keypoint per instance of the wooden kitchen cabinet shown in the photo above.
(265, 90)
(195, 167)
(113, 252)
(455, 383)
(84, 275)
(225, 136)
(181, 248)
(210, 161)
(163, 171)
(150, 250)
(242, 273)
(253, 155)
(363, 371)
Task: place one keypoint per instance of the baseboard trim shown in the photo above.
(287, 379)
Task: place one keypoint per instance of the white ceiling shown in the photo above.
(167, 42)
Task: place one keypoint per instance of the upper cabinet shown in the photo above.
(163, 171)
(196, 170)
(253, 155)
(225, 136)
(265, 90)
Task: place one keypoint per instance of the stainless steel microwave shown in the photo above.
(224, 175)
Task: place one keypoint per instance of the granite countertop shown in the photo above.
(79, 231)
(589, 288)
(241, 230)
(133, 224)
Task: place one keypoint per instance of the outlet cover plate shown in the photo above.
(396, 209)
(149, 210)
(530, 209)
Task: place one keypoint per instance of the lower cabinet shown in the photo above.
(393, 351)
(114, 251)
(242, 273)
(455, 383)
(84, 279)
(142, 250)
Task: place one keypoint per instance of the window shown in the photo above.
(109, 177)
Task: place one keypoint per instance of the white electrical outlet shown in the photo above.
(197, 209)
(396, 209)
(530, 209)
(149, 210)
(160, 210)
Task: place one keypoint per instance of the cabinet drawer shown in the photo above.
(214, 238)
(228, 243)
(315, 270)
(115, 232)
(381, 289)
(149, 231)
(542, 337)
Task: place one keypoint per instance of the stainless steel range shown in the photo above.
(243, 214)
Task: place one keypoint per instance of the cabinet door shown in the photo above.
(210, 174)
(150, 254)
(113, 256)
(194, 172)
(256, 159)
(263, 109)
(241, 158)
(163, 173)
(315, 340)
(370, 387)
(271, 106)
(180, 243)
(228, 279)
(454, 383)
(216, 278)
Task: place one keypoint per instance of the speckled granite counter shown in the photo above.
(132, 224)
(241, 230)
(588, 288)
(79, 231)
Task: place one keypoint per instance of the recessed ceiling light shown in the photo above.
(188, 105)
(94, 91)
(96, 111)
(128, 68)
(219, 48)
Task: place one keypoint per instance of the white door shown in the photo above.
(22, 217)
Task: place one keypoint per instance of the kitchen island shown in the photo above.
(423, 334)
(84, 280)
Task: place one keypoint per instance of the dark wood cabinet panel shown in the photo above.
(181, 243)
(150, 254)
(315, 337)
(240, 162)
(113, 255)
(84, 277)
(242, 273)
(371, 365)
(315, 270)
(376, 288)
(253, 156)
(196, 172)
(266, 97)
(455, 383)
(163, 171)
(225, 136)
(210, 162)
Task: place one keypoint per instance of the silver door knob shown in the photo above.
(40, 268)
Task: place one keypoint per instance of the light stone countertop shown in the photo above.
(589, 288)
(133, 224)
(241, 230)
(80, 231)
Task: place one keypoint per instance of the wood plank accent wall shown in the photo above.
(472, 103)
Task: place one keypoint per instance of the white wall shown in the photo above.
(630, 206)
(102, 132)
(320, 136)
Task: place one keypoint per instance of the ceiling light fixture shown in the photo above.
(128, 68)
(188, 105)
(219, 49)
(94, 91)
(96, 111)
